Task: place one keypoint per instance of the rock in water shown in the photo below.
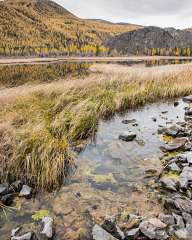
(188, 99)
(169, 183)
(127, 136)
(7, 199)
(27, 236)
(154, 229)
(26, 192)
(110, 226)
(47, 227)
(133, 234)
(100, 234)
(128, 121)
(4, 188)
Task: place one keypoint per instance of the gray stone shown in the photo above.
(7, 199)
(153, 229)
(169, 183)
(47, 227)
(178, 144)
(185, 177)
(127, 136)
(27, 236)
(182, 234)
(132, 234)
(15, 231)
(100, 234)
(167, 219)
(128, 121)
(110, 226)
(16, 186)
(179, 221)
(4, 188)
(187, 99)
(187, 218)
(174, 167)
(188, 157)
(178, 204)
(26, 192)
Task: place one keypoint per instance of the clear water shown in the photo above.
(110, 178)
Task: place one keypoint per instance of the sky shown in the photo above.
(162, 13)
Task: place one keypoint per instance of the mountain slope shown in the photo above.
(137, 41)
(30, 27)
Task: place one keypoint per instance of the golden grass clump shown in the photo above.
(44, 121)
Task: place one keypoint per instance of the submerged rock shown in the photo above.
(26, 192)
(128, 121)
(127, 136)
(154, 229)
(100, 234)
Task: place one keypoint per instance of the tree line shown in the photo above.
(187, 52)
(43, 51)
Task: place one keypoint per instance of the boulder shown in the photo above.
(153, 229)
(100, 234)
(127, 136)
(26, 192)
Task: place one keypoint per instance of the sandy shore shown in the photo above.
(15, 61)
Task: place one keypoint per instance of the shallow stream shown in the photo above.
(113, 177)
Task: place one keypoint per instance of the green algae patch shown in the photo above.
(98, 178)
(40, 214)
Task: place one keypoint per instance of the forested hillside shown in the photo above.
(42, 27)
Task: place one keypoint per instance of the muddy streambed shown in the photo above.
(113, 177)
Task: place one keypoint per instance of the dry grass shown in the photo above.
(43, 121)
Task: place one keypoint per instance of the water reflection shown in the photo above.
(15, 75)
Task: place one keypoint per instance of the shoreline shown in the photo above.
(46, 60)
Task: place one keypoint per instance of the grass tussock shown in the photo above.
(44, 121)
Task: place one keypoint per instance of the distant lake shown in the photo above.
(15, 75)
